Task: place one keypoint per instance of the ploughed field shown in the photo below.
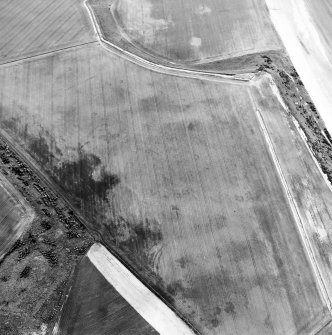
(35, 27)
(95, 307)
(15, 215)
(178, 176)
(194, 30)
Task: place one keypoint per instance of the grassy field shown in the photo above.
(95, 307)
(177, 176)
(34, 27)
(187, 31)
(15, 216)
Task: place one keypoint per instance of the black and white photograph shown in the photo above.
(165, 167)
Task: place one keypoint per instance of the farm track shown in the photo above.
(196, 33)
(97, 235)
(185, 73)
(29, 28)
(210, 76)
(169, 70)
(152, 309)
(89, 292)
(295, 212)
(47, 53)
(207, 76)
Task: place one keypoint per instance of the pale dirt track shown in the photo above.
(291, 200)
(149, 306)
(102, 257)
(28, 28)
(158, 67)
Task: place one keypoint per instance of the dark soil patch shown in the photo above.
(76, 178)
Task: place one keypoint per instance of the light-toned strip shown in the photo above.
(179, 72)
(144, 301)
(297, 217)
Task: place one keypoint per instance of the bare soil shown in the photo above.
(95, 307)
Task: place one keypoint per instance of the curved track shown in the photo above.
(185, 73)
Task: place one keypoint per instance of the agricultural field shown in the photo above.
(178, 177)
(35, 27)
(196, 30)
(15, 216)
(140, 194)
(95, 307)
(309, 186)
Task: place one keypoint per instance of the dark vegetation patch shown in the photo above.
(40, 148)
(175, 288)
(79, 181)
(49, 310)
(45, 245)
(300, 106)
(180, 52)
(9, 325)
(46, 225)
(148, 104)
(324, 249)
(229, 308)
(25, 272)
(242, 64)
(191, 126)
(183, 262)
(11, 123)
(50, 255)
(215, 323)
(77, 177)
(137, 238)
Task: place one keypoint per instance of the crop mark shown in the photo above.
(295, 212)
(77, 177)
(156, 67)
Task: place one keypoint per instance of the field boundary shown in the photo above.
(162, 318)
(204, 61)
(296, 215)
(42, 54)
(169, 70)
(32, 164)
(305, 140)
